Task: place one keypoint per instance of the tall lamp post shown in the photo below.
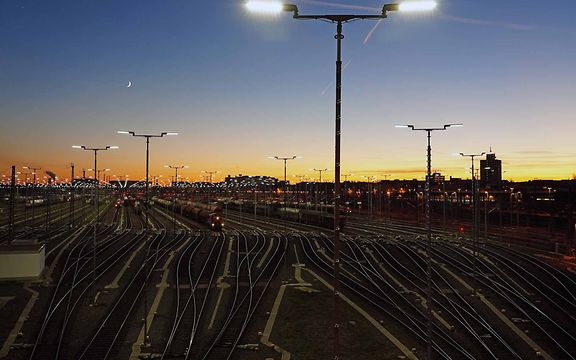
(299, 187)
(320, 171)
(174, 184)
(428, 231)
(98, 171)
(339, 19)
(371, 179)
(176, 168)
(346, 188)
(34, 170)
(210, 174)
(147, 137)
(95, 194)
(285, 159)
(474, 210)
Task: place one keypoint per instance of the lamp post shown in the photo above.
(428, 230)
(320, 171)
(34, 170)
(11, 208)
(72, 198)
(155, 178)
(486, 200)
(339, 19)
(371, 179)
(174, 184)
(147, 137)
(285, 159)
(98, 171)
(95, 195)
(381, 193)
(210, 174)
(176, 168)
(474, 210)
(346, 188)
(25, 195)
(299, 187)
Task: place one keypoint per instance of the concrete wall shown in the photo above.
(21, 264)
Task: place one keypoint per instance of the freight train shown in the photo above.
(304, 216)
(208, 214)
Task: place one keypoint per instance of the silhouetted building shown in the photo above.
(490, 171)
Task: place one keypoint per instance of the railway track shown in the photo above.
(76, 286)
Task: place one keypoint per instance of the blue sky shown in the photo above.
(240, 87)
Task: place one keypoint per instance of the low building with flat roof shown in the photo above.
(22, 261)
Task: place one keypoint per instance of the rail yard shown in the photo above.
(136, 282)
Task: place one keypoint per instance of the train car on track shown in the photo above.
(304, 216)
(207, 214)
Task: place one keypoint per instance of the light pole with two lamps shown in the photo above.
(176, 168)
(210, 175)
(34, 170)
(320, 171)
(285, 159)
(96, 204)
(371, 179)
(147, 137)
(428, 230)
(174, 184)
(474, 213)
(146, 204)
(277, 7)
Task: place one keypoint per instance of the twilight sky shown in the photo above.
(240, 87)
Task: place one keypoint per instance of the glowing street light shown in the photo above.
(176, 167)
(429, 230)
(265, 7)
(474, 210)
(269, 7)
(416, 6)
(210, 174)
(147, 137)
(285, 159)
(34, 170)
(98, 171)
(96, 199)
(276, 7)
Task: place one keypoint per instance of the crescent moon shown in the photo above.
(129, 84)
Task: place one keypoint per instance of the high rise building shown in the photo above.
(490, 171)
